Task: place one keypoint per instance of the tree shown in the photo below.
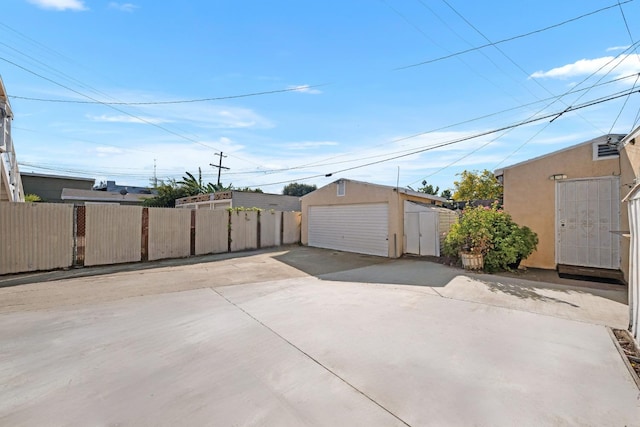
(476, 185)
(296, 189)
(428, 189)
(195, 186)
(249, 190)
(168, 191)
(446, 194)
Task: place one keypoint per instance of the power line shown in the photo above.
(463, 139)
(105, 104)
(502, 52)
(319, 163)
(49, 134)
(622, 108)
(624, 18)
(395, 157)
(182, 101)
(462, 52)
(425, 35)
(581, 95)
(195, 141)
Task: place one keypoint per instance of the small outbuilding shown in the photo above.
(361, 217)
(572, 199)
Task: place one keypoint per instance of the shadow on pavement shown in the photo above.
(76, 272)
(414, 271)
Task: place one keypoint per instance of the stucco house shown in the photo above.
(361, 217)
(572, 199)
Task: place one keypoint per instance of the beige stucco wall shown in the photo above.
(529, 194)
(360, 193)
(629, 173)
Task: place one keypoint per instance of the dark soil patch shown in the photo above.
(629, 348)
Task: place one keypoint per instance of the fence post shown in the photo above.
(281, 229)
(192, 249)
(258, 229)
(230, 211)
(144, 250)
(79, 234)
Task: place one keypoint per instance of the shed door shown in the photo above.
(360, 228)
(587, 211)
(421, 232)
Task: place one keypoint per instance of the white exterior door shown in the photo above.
(412, 232)
(587, 211)
(421, 233)
(361, 228)
(429, 242)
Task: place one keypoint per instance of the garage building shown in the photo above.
(361, 217)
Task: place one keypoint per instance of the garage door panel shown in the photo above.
(352, 228)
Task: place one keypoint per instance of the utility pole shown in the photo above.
(155, 177)
(219, 166)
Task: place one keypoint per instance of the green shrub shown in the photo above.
(32, 198)
(492, 233)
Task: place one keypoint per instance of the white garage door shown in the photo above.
(351, 228)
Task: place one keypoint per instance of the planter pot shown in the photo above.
(515, 265)
(472, 261)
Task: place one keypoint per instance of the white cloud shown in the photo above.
(305, 89)
(61, 5)
(123, 7)
(624, 65)
(126, 119)
(309, 145)
(616, 48)
(104, 151)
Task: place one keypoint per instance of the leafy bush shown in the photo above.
(492, 233)
(32, 198)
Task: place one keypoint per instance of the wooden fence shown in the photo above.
(47, 236)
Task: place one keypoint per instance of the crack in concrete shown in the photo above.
(326, 368)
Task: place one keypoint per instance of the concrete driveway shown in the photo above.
(309, 337)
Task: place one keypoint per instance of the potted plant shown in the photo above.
(469, 238)
(487, 238)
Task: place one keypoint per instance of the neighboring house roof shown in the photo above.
(73, 194)
(400, 190)
(631, 138)
(42, 175)
(617, 137)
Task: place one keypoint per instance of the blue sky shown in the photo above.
(340, 85)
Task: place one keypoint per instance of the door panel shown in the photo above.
(586, 213)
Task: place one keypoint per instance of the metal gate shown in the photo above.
(587, 211)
